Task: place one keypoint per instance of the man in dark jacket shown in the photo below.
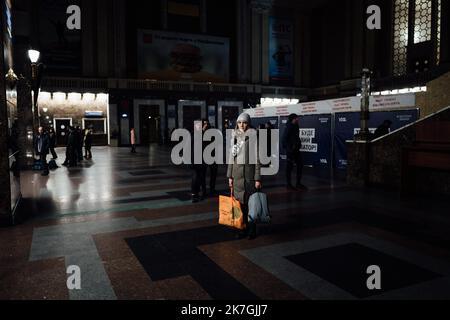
(213, 168)
(79, 135)
(292, 144)
(383, 129)
(88, 144)
(52, 142)
(199, 169)
(71, 149)
(41, 148)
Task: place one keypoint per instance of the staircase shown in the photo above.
(413, 159)
(426, 163)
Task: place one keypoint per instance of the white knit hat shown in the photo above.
(244, 117)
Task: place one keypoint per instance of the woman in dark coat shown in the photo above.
(244, 178)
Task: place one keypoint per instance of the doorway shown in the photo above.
(62, 130)
(190, 114)
(229, 117)
(149, 124)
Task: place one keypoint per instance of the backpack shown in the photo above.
(258, 210)
(37, 165)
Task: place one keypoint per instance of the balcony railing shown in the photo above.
(104, 85)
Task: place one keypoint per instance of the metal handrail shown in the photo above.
(14, 154)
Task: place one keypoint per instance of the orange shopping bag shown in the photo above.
(230, 213)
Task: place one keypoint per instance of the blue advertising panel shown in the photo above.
(348, 124)
(283, 122)
(315, 133)
(256, 122)
(344, 129)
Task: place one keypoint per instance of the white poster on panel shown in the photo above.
(349, 104)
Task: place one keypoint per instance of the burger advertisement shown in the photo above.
(182, 57)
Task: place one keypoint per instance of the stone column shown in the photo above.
(302, 49)
(369, 43)
(102, 37)
(260, 40)
(242, 41)
(203, 17)
(256, 47)
(445, 32)
(357, 52)
(119, 27)
(164, 14)
(87, 37)
(5, 187)
(265, 47)
(358, 169)
(348, 40)
(25, 123)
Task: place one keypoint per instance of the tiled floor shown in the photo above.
(127, 222)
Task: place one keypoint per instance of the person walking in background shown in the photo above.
(292, 144)
(383, 129)
(76, 137)
(244, 178)
(213, 168)
(198, 169)
(71, 149)
(52, 142)
(88, 144)
(80, 139)
(133, 140)
(41, 147)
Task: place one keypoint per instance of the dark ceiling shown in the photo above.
(302, 4)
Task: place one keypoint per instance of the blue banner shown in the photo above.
(283, 122)
(315, 133)
(348, 124)
(257, 122)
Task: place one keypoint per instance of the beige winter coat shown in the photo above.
(243, 173)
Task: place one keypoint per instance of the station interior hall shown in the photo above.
(103, 86)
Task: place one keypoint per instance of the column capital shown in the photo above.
(261, 6)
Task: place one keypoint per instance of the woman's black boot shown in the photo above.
(251, 231)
